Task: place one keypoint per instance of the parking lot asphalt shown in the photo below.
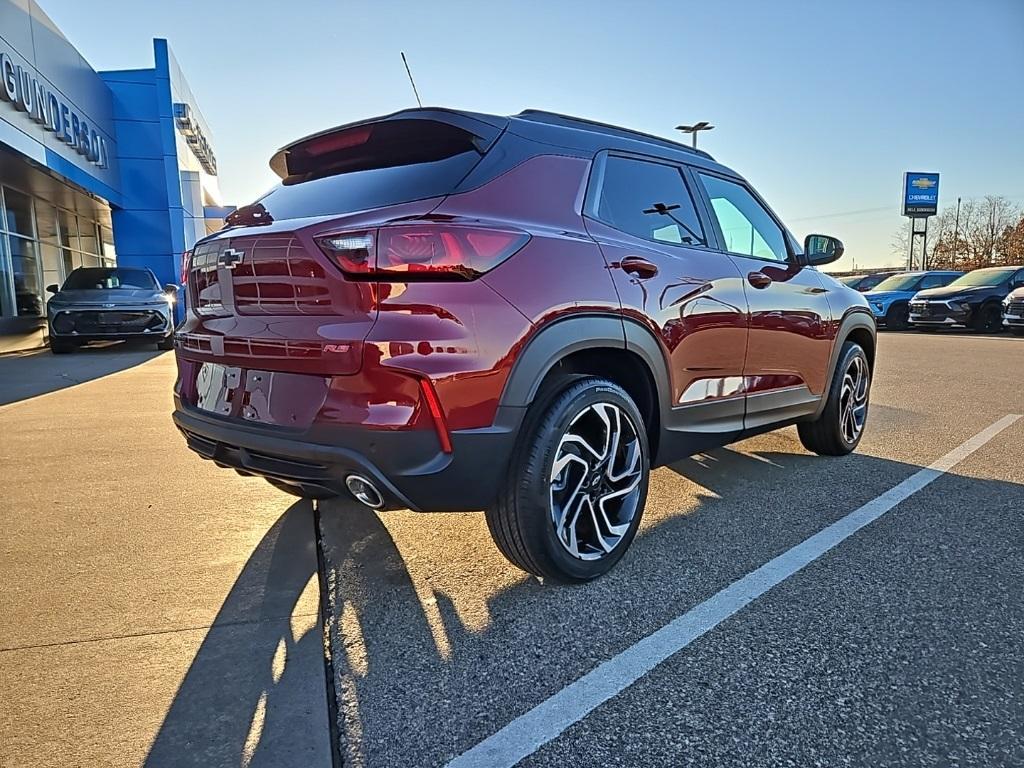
(159, 610)
(901, 646)
(154, 608)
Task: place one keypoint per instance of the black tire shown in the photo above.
(988, 319)
(826, 435)
(165, 343)
(61, 346)
(522, 521)
(302, 491)
(1017, 331)
(897, 317)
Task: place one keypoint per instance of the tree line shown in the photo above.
(989, 233)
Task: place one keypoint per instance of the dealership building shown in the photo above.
(96, 168)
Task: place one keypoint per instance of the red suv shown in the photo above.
(444, 310)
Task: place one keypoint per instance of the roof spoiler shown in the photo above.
(297, 161)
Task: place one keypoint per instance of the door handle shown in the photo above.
(759, 279)
(638, 266)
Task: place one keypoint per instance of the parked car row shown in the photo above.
(984, 300)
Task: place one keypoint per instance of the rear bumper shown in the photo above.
(408, 466)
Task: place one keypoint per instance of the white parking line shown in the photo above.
(529, 732)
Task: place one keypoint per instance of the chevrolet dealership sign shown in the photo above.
(920, 194)
(27, 92)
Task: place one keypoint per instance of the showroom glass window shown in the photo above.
(18, 224)
(40, 245)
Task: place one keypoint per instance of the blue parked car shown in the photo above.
(889, 299)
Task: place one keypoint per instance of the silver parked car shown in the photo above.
(98, 303)
(1013, 312)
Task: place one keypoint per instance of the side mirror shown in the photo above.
(53, 288)
(822, 249)
(171, 289)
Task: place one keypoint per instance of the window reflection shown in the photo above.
(39, 245)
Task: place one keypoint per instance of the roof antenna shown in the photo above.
(411, 81)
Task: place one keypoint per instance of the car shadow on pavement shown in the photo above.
(436, 645)
(24, 375)
(246, 698)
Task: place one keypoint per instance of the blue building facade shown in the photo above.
(96, 168)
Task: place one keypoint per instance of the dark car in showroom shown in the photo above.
(110, 303)
(442, 310)
(1013, 312)
(973, 300)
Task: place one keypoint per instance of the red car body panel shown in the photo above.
(280, 348)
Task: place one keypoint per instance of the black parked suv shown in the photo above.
(971, 301)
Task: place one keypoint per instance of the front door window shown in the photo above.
(747, 228)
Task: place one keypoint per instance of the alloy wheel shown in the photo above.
(595, 481)
(853, 399)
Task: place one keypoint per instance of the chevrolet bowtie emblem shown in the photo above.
(230, 258)
(923, 183)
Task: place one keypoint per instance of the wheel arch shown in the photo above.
(609, 346)
(856, 326)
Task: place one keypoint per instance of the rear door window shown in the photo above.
(935, 281)
(649, 200)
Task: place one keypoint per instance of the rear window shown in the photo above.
(372, 166)
(359, 190)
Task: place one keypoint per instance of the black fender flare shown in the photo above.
(857, 319)
(561, 338)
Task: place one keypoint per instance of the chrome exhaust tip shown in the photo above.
(364, 491)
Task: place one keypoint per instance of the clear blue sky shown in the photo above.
(822, 105)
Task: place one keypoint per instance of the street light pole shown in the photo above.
(956, 234)
(694, 129)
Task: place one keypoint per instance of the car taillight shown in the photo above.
(352, 251)
(422, 252)
(186, 266)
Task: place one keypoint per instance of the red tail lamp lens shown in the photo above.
(436, 415)
(425, 252)
(332, 142)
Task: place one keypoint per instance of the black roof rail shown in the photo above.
(580, 123)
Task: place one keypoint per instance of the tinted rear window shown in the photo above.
(372, 165)
(372, 188)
